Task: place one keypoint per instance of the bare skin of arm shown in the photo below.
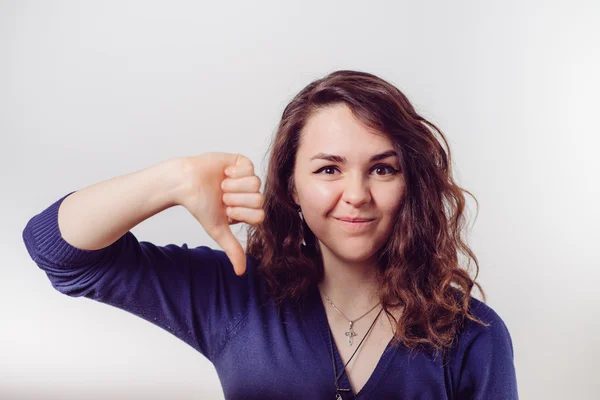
(218, 189)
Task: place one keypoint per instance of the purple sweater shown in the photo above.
(259, 353)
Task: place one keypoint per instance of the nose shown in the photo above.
(356, 191)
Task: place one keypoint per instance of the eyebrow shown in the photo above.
(341, 160)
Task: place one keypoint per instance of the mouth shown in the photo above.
(355, 220)
(355, 224)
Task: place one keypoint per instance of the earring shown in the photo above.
(301, 225)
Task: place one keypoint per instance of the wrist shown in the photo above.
(172, 172)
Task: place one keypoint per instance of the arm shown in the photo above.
(95, 217)
(192, 293)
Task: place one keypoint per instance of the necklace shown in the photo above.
(341, 394)
(350, 333)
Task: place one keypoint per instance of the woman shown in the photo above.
(350, 286)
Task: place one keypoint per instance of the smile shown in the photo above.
(355, 225)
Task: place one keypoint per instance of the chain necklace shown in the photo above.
(350, 333)
(341, 394)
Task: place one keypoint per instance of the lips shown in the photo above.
(356, 225)
(349, 219)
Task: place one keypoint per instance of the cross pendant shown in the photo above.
(341, 394)
(350, 334)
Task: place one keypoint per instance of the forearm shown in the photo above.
(95, 217)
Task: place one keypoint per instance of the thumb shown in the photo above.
(242, 160)
(232, 247)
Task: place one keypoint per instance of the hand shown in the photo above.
(217, 198)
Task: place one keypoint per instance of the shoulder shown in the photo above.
(496, 331)
(207, 255)
(213, 264)
(482, 361)
(223, 300)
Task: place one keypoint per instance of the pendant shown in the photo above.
(343, 394)
(350, 334)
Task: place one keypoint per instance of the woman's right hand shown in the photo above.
(221, 189)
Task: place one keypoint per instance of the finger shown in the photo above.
(230, 245)
(243, 161)
(248, 200)
(246, 184)
(248, 215)
(235, 161)
(239, 171)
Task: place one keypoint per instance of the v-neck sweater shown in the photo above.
(258, 352)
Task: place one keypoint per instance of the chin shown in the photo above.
(353, 254)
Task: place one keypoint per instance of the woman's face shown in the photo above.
(343, 171)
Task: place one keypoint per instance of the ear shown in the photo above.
(292, 191)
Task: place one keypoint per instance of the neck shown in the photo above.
(353, 287)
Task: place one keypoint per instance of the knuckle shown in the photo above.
(225, 184)
(255, 182)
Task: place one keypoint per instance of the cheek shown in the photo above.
(320, 196)
(389, 199)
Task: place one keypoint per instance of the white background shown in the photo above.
(93, 90)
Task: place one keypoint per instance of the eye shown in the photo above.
(385, 167)
(330, 170)
(327, 168)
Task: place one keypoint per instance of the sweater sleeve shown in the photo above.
(485, 361)
(192, 293)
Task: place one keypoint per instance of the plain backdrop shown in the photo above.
(90, 90)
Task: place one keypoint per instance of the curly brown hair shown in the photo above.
(419, 265)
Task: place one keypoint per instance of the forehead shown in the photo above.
(335, 130)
